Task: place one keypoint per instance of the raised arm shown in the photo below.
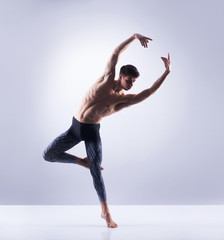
(119, 49)
(131, 99)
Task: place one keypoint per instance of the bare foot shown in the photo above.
(84, 162)
(110, 222)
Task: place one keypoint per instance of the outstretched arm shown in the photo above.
(118, 50)
(131, 99)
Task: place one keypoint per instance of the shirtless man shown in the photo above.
(104, 98)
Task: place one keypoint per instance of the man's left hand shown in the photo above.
(167, 63)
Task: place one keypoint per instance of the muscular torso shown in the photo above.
(100, 101)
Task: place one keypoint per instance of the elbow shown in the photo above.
(116, 52)
(152, 90)
(149, 92)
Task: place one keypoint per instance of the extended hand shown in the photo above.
(167, 63)
(143, 40)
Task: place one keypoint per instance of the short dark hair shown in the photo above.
(129, 70)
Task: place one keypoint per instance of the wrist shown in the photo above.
(167, 71)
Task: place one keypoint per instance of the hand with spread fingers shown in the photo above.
(167, 63)
(143, 40)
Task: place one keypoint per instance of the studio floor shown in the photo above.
(139, 222)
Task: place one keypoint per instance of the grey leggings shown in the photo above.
(78, 132)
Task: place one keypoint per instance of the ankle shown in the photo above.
(78, 161)
(106, 213)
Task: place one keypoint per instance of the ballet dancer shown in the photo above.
(104, 98)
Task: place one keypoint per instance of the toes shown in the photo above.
(112, 225)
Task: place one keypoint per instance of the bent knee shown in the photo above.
(48, 157)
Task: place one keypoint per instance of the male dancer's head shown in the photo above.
(127, 76)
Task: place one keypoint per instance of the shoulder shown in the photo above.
(109, 75)
(106, 78)
(127, 97)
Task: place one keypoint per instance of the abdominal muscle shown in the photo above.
(93, 114)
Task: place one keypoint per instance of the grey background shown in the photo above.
(166, 150)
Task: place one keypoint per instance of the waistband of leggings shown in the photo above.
(85, 124)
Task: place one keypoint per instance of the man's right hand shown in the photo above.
(143, 40)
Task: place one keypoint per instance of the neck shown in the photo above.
(117, 86)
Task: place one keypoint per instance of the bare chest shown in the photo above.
(106, 104)
(99, 102)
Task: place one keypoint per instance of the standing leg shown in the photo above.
(94, 153)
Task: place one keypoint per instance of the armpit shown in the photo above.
(128, 100)
(120, 106)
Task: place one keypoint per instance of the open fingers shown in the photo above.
(166, 62)
(146, 42)
(143, 42)
(166, 59)
(147, 38)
